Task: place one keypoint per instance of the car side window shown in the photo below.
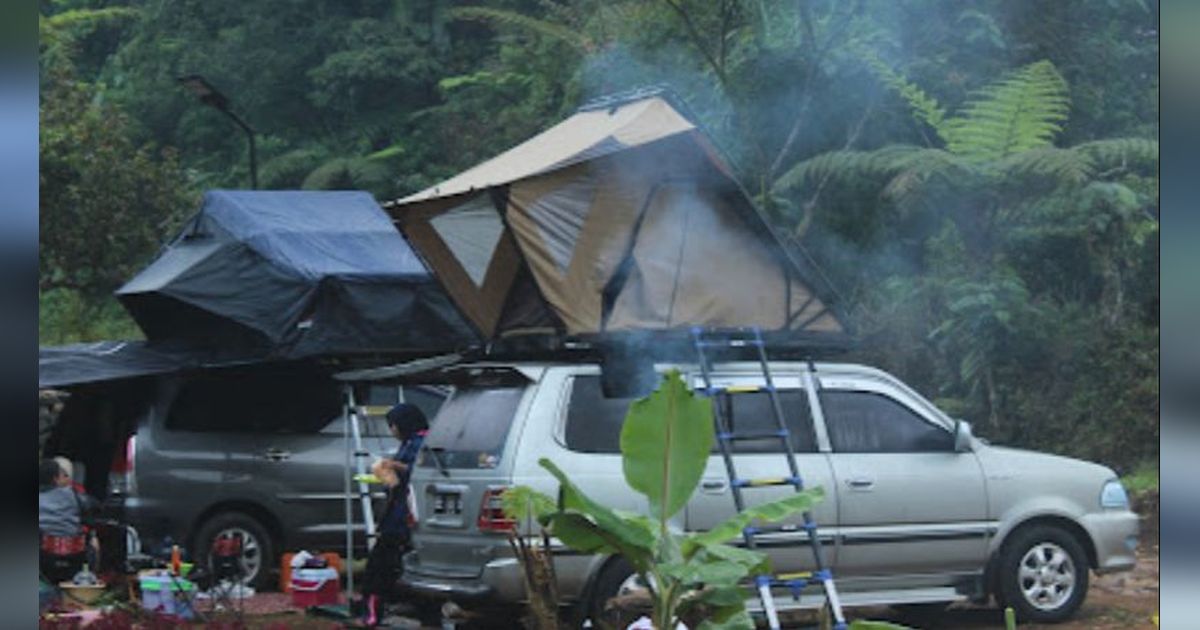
(752, 413)
(594, 422)
(267, 401)
(869, 422)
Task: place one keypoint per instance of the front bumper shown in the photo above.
(1115, 534)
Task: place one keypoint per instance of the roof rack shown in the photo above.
(660, 90)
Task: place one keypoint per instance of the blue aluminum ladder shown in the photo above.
(751, 339)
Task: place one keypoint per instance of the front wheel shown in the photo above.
(1043, 574)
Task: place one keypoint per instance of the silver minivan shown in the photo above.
(916, 509)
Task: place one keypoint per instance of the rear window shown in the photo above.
(272, 401)
(471, 427)
(594, 422)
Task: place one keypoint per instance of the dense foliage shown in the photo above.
(978, 179)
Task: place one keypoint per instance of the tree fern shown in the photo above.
(1021, 112)
(545, 28)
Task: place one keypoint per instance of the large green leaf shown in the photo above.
(728, 619)
(665, 443)
(767, 512)
(521, 503)
(632, 537)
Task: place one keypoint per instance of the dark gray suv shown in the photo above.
(256, 451)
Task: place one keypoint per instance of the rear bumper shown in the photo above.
(1115, 535)
(500, 581)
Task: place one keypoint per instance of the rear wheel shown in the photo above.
(616, 579)
(258, 550)
(1043, 574)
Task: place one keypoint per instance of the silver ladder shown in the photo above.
(742, 339)
(353, 433)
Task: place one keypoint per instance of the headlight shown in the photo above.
(1113, 496)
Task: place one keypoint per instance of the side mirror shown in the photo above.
(962, 436)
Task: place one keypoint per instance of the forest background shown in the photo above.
(978, 179)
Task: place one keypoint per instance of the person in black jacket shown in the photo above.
(408, 425)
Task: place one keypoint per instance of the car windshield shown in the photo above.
(470, 429)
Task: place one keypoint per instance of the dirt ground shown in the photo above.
(1125, 601)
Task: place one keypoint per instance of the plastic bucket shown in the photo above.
(167, 595)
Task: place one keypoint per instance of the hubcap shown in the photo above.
(1046, 576)
(631, 584)
(251, 559)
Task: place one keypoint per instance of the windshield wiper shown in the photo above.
(435, 452)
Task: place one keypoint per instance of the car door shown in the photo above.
(303, 452)
(907, 502)
(752, 412)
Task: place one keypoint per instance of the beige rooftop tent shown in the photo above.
(622, 217)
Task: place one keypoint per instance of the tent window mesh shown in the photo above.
(559, 217)
(471, 232)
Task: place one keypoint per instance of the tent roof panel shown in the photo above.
(584, 136)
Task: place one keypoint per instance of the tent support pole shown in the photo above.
(349, 401)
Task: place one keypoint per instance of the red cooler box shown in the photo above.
(314, 587)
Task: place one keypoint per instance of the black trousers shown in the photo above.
(383, 565)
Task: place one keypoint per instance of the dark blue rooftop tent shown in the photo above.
(290, 274)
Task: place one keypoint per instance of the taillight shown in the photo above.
(491, 512)
(121, 474)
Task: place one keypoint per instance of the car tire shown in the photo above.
(615, 578)
(259, 558)
(1043, 574)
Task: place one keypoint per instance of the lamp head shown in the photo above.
(204, 91)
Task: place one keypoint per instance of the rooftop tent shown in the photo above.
(623, 217)
(291, 274)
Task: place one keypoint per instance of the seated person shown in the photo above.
(61, 509)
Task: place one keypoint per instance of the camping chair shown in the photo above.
(60, 557)
(224, 575)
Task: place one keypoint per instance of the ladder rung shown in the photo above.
(736, 389)
(758, 435)
(728, 343)
(788, 528)
(764, 482)
(798, 579)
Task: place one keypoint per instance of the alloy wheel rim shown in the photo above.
(632, 584)
(1046, 576)
(251, 559)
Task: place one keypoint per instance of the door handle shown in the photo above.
(713, 486)
(860, 483)
(276, 455)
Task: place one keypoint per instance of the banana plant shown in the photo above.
(694, 577)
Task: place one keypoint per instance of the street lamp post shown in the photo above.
(210, 96)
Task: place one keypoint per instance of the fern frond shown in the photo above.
(76, 23)
(1067, 166)
(924, 107)
(1021, 112)
(1120, 152)
(918, 168)
(841, 166)
(503, 17)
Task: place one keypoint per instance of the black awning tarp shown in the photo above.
(292, 274)
(81, 363)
